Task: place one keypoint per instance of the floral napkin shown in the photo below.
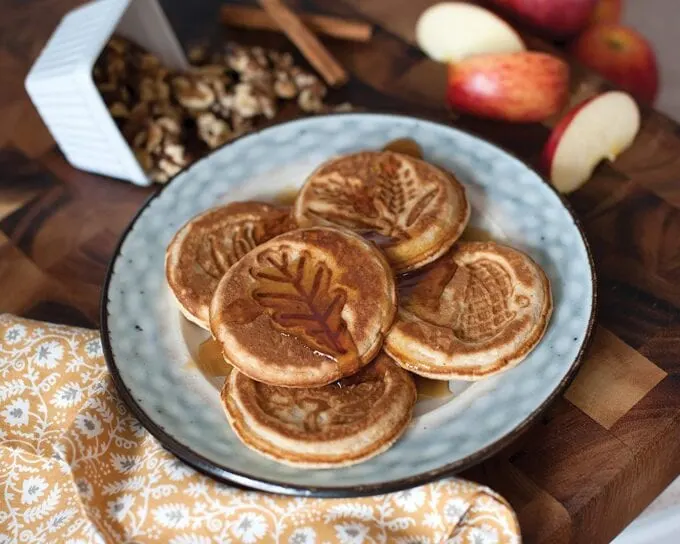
(77, 467)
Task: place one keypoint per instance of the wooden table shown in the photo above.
(600, 454)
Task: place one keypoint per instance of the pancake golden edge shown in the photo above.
(329, 427)
(247, 223)
(430, 346)
(436, 230)
(259, 344)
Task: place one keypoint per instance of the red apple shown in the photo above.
(518, 87)
(452, 31)
(598, 128)
(558, 18)
(606, 11)
(622, 55)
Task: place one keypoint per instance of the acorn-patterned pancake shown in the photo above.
(210, 243)
(411, 209)
(475, 312)
(337, 425)
(306, 308)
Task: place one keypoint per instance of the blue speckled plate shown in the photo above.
(148, 344)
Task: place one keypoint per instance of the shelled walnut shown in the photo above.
(171, 119)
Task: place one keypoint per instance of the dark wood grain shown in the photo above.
(575, 476)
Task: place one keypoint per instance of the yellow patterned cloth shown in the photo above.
(76, 467)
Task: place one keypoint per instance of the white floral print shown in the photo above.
(454, 509)
(49, 354)
(14, 335)
(59, 519)
(249, 528)
(93, 348)
(32, 489)
(191, 539)
(84, 489)
(433, 519)
(88, 425)
(411, 499)
(482, 535)
(67, 395)
(351, 533)
(16, 413)
(176, 470)
(174, 516)
(118, 508)
(303, 535)
(137, 429)
(123, 463)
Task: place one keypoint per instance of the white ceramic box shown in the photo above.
(61, 85)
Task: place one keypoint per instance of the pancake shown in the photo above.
(414, 211)
(333, 426)
(210, 243)
(305, 308)
(477, 311)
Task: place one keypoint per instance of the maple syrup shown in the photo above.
(378, 238)
(475, 234)
(405, 146)
(431, 389)
(210, 360)
(287, 196)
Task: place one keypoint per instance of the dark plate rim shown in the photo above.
(232, 477)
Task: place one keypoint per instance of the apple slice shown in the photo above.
(600, 128)
(452, 31)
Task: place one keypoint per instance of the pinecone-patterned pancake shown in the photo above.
(486, 309)
(475, 312)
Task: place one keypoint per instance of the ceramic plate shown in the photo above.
(149, 346)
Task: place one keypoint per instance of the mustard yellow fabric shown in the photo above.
(77, 467)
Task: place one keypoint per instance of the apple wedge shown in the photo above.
(600, 128)
(453, 31)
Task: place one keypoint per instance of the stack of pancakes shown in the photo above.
(325, 309)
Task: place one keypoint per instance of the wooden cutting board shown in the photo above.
(601, 453)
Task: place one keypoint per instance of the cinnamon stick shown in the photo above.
(257, 19)
(308, 44)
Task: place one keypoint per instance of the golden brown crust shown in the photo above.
(306, 308)
(412, 209)
(206, 246)
(337, 425)
(475, 312)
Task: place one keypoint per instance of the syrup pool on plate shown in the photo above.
(286, 197)
(475, 234)
(406, 146)
(210, 361)
(431, 389)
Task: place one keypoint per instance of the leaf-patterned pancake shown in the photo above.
(303, 299)
(305, 308)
